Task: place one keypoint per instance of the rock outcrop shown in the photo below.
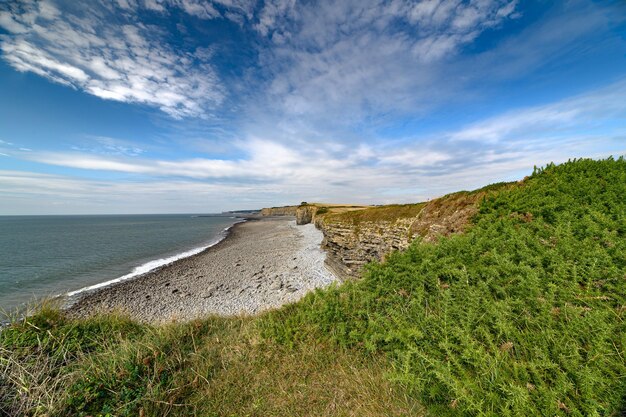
(350, 246)
(354, 238)
(305, 214)
(279, 211)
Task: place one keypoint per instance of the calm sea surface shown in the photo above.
(50, 255)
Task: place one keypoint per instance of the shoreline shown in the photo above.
(166, 261)
(260, 264)
(65, 301)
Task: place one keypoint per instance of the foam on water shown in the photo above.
(154, 264)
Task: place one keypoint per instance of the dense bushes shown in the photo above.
(522, 315)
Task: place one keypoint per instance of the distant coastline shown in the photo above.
(46, 257)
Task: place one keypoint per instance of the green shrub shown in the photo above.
(524, 314)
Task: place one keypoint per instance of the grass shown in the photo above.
(389, 213)
(452, 213)
(523, 314)
(110, 366)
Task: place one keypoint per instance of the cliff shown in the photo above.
(355, 237)
(351, 246)
(279, 211)
(305, 214)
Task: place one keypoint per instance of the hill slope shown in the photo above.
(521, 315)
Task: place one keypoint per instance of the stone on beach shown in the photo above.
(261, 265)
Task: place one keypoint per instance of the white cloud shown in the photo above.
(356, 59)
(414, 158)
(7, 22)
(414, 169)
(129, 63)
(198, 8)
(346, 67)
(203, 9)
(83, 161)
(567, 117)
(273, 13)
(335, 67)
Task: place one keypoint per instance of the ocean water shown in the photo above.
(44, 256)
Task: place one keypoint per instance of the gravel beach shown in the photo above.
(262, 264)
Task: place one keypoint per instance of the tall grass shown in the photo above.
(110, 366)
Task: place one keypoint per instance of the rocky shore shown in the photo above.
(262, 264)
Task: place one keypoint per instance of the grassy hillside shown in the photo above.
(110, 366)
(523, 314)
(390, 212)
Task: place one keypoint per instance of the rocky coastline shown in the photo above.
(262, 264)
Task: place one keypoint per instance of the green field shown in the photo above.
(521, 315)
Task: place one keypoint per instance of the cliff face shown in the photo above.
(350, 246)
(279, 211)
(354, 239)
(305, 214)
(356, 235)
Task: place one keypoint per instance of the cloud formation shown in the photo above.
(323, 53)
(317, 51)
(271, 172)
(230, 9)
(309, 100)
(128, 61)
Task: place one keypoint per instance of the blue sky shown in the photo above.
(146, 106)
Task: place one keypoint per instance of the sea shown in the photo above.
(45, 256)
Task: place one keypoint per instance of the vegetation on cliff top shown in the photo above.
(523, 314)
(389, 213)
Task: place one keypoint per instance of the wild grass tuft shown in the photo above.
(110, 366)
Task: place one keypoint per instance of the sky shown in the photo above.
(198, 106)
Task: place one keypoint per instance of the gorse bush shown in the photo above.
(521, 315)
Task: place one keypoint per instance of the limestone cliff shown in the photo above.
(279, 211)
(356, 235)
(349, 246)
(355, 238)
(305, 214)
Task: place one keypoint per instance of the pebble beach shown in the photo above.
(261, 264)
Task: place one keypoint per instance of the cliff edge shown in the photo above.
(355, 235)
